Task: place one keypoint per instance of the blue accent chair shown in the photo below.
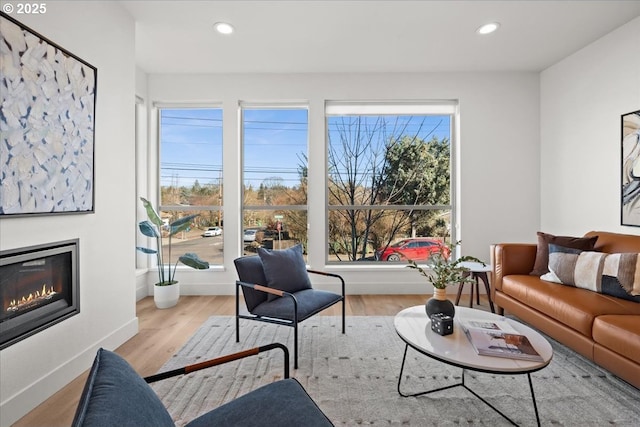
(115, 395)
(277, 289)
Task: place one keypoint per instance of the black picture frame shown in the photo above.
(48, 98)
(630, 169)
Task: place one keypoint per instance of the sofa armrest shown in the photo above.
(512, 258)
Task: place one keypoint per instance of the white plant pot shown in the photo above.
(166, 296)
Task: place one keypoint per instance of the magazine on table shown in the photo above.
(488, 325)
(498, 338)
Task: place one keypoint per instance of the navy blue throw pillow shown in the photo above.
(285, 269)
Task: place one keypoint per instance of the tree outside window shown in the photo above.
(389, 178)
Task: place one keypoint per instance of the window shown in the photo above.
(390, 179)
(274, 142)
(191, 179)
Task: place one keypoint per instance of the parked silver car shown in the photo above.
(249, 235)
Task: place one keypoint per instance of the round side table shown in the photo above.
(477, 271)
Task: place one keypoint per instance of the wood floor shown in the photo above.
(163, 332)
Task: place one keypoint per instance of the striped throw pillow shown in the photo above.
(616, 275)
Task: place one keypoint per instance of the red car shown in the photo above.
(417, 248)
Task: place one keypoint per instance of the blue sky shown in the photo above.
(191, 146)
(275, 141)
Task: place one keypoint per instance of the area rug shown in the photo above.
(353, 379)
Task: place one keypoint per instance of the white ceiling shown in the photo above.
(367, 36)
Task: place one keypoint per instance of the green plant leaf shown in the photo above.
(151, 212)
(443, 269)
(192, 260)
(148, 229)
(181, 224)
(146, 250)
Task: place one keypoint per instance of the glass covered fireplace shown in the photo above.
(39, 287)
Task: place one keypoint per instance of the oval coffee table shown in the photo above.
(414, 328)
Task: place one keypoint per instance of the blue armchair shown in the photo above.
(115, 395)
(277, 289)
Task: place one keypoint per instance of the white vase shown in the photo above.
(166, 296)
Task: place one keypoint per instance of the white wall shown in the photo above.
(101, 33)
(142, 177)
(582, 99)
(499, 156)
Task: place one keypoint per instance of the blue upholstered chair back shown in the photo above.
(115, 395)
(250, 270)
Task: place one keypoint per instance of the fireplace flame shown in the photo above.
(33, 298)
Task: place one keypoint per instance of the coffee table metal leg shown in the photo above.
(462, 383)
(486, 403)
(533, 397)
(404, 358)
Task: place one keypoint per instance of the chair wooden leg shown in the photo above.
(460, 286)
(485, 278)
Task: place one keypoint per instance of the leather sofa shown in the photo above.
(603, 328)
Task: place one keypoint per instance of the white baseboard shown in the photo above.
(21, 403)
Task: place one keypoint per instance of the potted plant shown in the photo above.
(443, 270)
(166, 291)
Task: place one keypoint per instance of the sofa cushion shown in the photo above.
(619, 333)
(545, 239)
(576, 308)
(115, 395)
(285, 269)
(610, 274)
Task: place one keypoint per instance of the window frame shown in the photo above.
(448, 108)
(270, 105)
(219, 208)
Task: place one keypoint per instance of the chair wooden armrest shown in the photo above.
(221, 360)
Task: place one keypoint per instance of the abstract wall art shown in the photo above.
(630, 211)
(47, 125)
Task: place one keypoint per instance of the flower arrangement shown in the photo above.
(443, 269)
(151, 228)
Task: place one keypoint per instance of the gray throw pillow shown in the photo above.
(285, 269)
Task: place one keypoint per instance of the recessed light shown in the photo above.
(488, 28)
(223, 27)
